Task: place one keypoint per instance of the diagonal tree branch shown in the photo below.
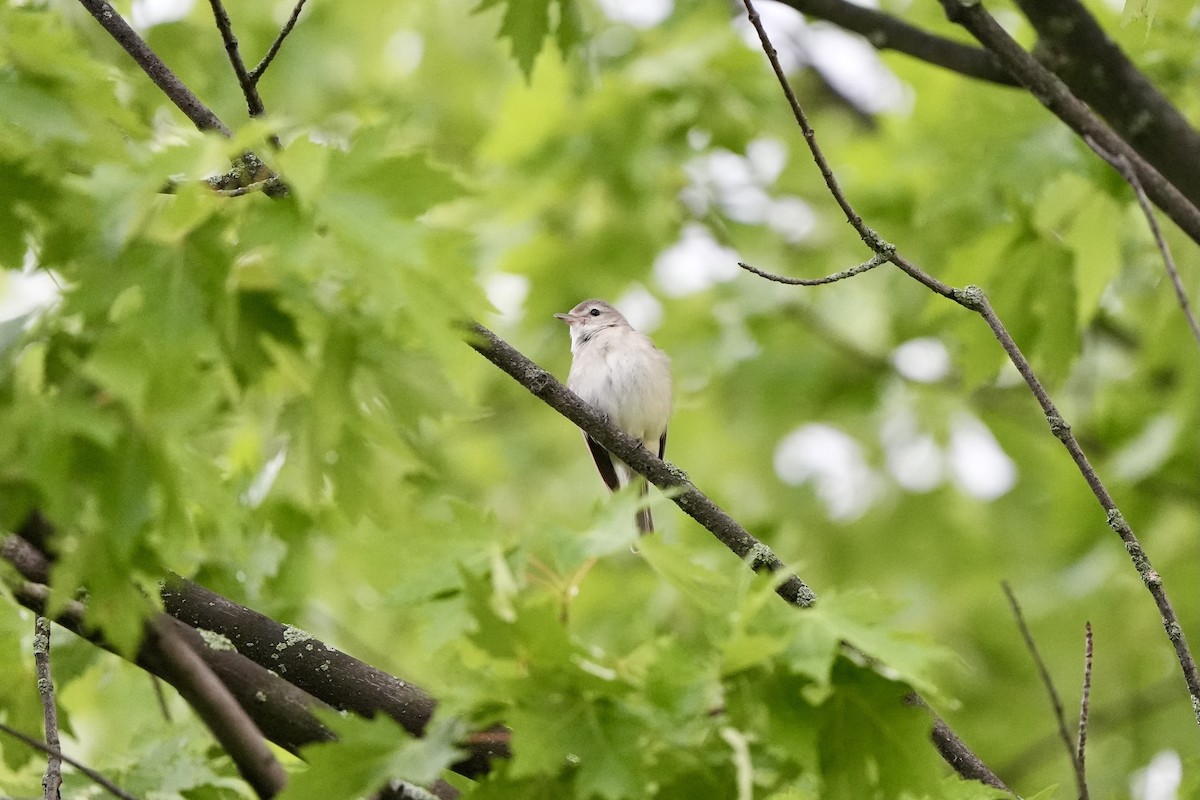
(696, 505)
(249, 170)
(670, 479)
(1074, 47)
(166, 80)
(254, 103)
(214, 703)
(251, 653)
(257, 73)
(1121, 165)
(1052, 93)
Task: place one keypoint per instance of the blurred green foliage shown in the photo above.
(272, 396)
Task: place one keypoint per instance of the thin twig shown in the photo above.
(873, 240)
(1121, 164)
(1085, 701)
(249, 85)
(253, 101)
(974, 299)
(876, 260)
(257, 72)
(52, 781)
(92, 775)
(1060, 717)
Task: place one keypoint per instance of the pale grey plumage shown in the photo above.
(619, 372)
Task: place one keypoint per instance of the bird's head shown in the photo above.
(592, 316)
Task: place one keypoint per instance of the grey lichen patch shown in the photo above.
(216, 641)
(1058, 426)
(260, 696)
(971, 296)
(1117, 522)
(760, 556)
(294, 636)
(325, 667)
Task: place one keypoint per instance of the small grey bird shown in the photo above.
(626, 378)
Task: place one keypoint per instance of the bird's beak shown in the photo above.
(567, 318)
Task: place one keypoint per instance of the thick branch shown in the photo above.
(275, 662)
(886, 32)
(183, 668)
(1055, 96)
(1074, 46)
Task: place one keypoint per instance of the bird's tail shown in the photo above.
(645, 522)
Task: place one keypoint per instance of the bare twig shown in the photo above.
(246, 81)
(875, 261)
(166, 80)
(253, 100)
(1060, 717)
(92, 775)
(1052, 93)
(1121, 164)
(873, 240)
(974, 299)
(257, 72)
(1085, 700)
(52, 781)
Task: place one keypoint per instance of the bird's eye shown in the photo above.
(595, 312)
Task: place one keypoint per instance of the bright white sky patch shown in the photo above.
(977, 463)
(507, 292)
(1160, 779)
(147, 13)
(637, 13)
(694, 263)
(914, 459)
(833, 461)
(847, 61)
(853, 67)
(29, 291)
(404, 50)
(922, 360)
(641, 308)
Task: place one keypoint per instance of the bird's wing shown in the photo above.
(604, 463)
(662, 444)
